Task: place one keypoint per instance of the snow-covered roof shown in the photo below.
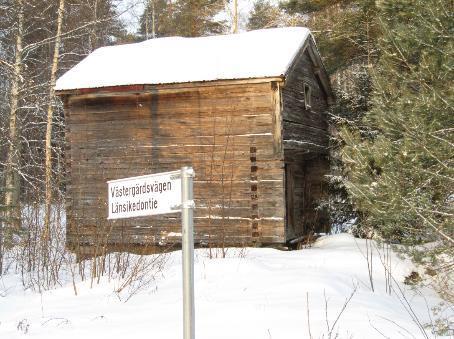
(255, 54)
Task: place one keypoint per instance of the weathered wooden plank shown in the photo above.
(210, 129)
(165, 88)
(305, 136)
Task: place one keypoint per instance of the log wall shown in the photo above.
(227, 133)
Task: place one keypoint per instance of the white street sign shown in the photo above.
(162, 193)
(145, 195)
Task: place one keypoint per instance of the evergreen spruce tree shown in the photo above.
(400, 173)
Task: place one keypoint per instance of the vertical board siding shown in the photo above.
(305, 142)
(210, 128)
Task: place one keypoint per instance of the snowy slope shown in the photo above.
(255, 54)
(254, 293)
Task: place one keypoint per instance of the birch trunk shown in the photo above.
(150, 6)
(235, 16)
(50, 116)
(147, 5)
(12, 179)
(92, 35)
(153, 20)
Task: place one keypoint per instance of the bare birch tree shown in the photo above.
(50, 116)
(150, 7)
(12, 180)
(235, 17)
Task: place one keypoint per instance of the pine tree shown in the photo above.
(345, 30)
(310, 6)
(189, 18)
(400, 174)
(197, 17)
(159, 19)
(264, 15)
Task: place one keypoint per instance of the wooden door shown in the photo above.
(289, 201)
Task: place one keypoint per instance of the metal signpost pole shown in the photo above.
(187, 242)
(154, 194)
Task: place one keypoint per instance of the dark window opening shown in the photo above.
(307, 96)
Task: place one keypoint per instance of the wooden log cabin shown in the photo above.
(247, 111)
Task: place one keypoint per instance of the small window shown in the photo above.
(307, 96)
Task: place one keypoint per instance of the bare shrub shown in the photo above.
(141, 272)
(44, 263)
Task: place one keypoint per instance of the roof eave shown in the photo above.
(122, 89)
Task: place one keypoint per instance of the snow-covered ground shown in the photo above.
(253, 293)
